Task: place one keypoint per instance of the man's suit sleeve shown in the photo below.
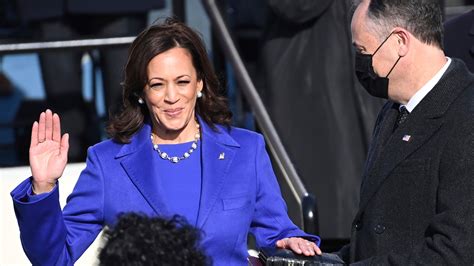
(270, 220)
(50, 236)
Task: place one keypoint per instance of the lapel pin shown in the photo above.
(406, 138)
(221, 156)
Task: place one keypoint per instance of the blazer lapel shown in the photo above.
(408, 138)
(382, 133)
(218, 151)
(138, 163)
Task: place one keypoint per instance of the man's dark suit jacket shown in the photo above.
(416, 201)
(459, 38)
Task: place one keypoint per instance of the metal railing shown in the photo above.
(12, 48)
(305, 200)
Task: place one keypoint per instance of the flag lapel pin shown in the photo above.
(406, 138)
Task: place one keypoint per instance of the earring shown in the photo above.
(199, 94)
(140, 100)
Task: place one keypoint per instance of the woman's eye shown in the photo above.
(156, 86)
(183, 82)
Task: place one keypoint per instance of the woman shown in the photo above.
(172, 151)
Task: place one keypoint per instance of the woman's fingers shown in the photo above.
(34, 134)
(317, 249)
(306, 247)
(283, 243)
(289, 243)
(294, 245)
(280, 244)
(49, 125)
(56, 128)
(42, 127)
(299, 246)
(64, 146)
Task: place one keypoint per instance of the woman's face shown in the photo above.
(171, 92)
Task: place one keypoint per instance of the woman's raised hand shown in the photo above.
(48, 152)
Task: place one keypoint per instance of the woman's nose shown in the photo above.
(171, 95)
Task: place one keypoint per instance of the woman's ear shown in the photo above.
(200, 86)
(139, 98)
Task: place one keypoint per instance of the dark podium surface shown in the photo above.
(282, 257)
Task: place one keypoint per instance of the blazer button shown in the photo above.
(379, 229)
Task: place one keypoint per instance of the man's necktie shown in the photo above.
(402, 116)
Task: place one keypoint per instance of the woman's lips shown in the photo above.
(173, 112)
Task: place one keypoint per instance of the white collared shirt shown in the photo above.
(421, 93)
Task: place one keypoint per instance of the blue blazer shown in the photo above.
(240, 194)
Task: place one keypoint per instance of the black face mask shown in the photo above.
(375, 85)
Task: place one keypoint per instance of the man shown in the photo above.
(459, 38)
(416, 200)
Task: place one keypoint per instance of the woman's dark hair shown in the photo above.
(156, 39)
(140, 240)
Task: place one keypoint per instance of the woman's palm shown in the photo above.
(48, 150)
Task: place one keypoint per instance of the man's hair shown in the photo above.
(140, 240)
(423, 18)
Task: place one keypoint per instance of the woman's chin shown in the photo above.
(174, 126)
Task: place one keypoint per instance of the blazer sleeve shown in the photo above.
(50, 236)
(449, 236)
(270, 220)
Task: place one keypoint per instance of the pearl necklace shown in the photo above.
(176, 159)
